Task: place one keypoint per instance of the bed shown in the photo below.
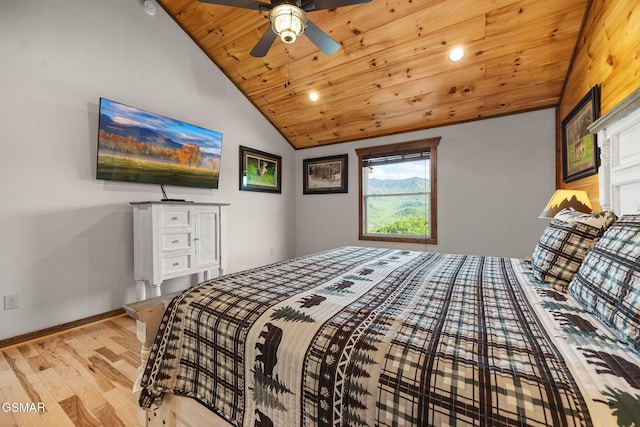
(359, 336)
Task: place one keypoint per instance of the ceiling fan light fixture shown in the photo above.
(288, 21)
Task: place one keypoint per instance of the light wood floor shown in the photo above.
(83, 376)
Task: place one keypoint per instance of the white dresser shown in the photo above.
(175, 239)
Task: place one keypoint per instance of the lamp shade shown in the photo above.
(288, 22)
(564, 199)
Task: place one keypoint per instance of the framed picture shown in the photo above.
(260, 171)
(324, 175)
(580, 155)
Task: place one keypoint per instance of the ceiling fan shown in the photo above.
(289, 20)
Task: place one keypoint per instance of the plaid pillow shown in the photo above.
(608, 281)
(564, 244)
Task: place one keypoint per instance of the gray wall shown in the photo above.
(66, 238)
(494, 177)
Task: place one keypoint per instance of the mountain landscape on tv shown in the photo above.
(139, 146)
(141, 134)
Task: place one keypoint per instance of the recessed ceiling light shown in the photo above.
(456, 54)
(313, 96)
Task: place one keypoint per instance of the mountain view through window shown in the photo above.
(397, 198)
(398, 192)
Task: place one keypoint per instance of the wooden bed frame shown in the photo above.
(175, 411)
(619, 176)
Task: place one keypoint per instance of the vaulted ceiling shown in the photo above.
(392, 73)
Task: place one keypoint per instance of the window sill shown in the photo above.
(420, 240)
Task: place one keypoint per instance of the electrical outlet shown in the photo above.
(11, 302)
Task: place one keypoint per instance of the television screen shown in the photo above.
(139, 146)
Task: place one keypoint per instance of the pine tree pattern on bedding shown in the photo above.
(381, 337)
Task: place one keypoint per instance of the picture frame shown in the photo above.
(260, 171)
(580, 156)
(326, 175)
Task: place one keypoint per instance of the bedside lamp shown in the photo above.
(563, 199)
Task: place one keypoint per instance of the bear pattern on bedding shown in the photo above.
(380, 337)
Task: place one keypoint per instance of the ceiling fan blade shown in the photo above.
(325, 43)
(311, 5)
(244, 4)
(264, 44)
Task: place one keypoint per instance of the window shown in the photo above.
(398, 192)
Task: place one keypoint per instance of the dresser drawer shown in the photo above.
(176, 217)
(176, 241)
(176, 264)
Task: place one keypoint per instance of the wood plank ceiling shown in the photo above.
(392, 73)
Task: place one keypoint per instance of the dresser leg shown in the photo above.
(155, 290)
(141, 290)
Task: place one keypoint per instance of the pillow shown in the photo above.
(626, 315)
(608, 281)
(600, 220)
(564, 244)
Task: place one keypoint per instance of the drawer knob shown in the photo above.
(174, 218)
(175, 241)
(175, 264)
(196, 238)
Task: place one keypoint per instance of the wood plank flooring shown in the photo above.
(81, 377)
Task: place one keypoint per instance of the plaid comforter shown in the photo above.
(380, 337)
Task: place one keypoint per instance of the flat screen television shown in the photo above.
(140, 146)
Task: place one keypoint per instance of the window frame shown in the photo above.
(409, 147)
